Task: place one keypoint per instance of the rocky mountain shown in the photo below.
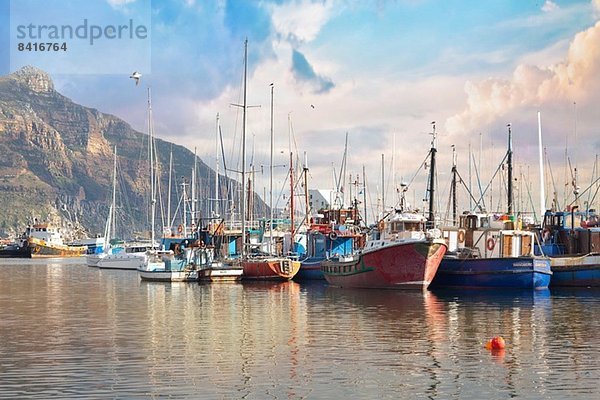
(56, 160)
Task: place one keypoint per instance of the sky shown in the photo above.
(379, 71)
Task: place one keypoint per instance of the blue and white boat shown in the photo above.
(484, 253)
(321, 247)
(488, 251)
(572, 241)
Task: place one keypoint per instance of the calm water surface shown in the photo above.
(70, 331)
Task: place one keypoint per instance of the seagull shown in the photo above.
(136, 75)
(312, 106)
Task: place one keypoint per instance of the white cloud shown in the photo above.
(301, 20)
(119, 3)
(550, 6)
(532, 85)
(596, 6)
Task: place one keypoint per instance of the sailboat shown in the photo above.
(210, 267)
(571, 238)
(267, 267)
(93, 260)
(401, 254)
(492, 252)
(128, 256)
(163, 265)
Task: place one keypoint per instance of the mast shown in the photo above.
(243, 200)
(382, 185)
(169, 193)
(151, 158)
(365, 195)
(510, 177)
(431, 190)
(292, 195)
(305, 171)
(454, 205)
(541, 160)
(193, 191)
(271, 181)
(185, 200)
(217, 168)
(111, 213)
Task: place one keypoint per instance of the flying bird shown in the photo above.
(312, 106)
(136, 76)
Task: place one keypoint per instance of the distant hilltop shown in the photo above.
(34, 78)
(57, 158)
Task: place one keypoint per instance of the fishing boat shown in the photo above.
(491, 250)
(404, 256)
(572, 241)
(17, 249)
(326, 238)
(400, 254)
(486, 252)
(260, 267)
(45, 240)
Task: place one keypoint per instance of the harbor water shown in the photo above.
(71, 331)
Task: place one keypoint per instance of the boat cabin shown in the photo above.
(570, 232)
(48, 233)
(488, 235)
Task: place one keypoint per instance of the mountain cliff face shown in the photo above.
(56, 161)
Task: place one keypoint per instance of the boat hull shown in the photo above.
(220, 274)
(510, 272)
(39, 249)
(576, 271)
(402, 265)
(310, 269)
(15, 252)
(125, 261)
(168, 276)
(280, 269)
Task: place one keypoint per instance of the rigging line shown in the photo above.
(492, 178)
(586, 189)
(531, 201)
(283, 187)
(467, 190)
(594, 172)
(554, 191)
(481, 193)
(419, 169)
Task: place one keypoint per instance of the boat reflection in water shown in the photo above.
(71, 329)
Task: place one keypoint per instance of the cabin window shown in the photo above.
(472, 222)
(413, 226)
(396, 226)
(485, 222)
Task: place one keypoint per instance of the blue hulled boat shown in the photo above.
(326, 239)
(572, 241)
(488, 251)
(491, 254)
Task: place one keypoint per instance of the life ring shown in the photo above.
(490, 244)
(461, 236)
(381, 225)
(333, 235)
(180, 228)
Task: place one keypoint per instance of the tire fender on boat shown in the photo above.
(333, 235)
(490, 244)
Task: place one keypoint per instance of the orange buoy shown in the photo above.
(495, 343)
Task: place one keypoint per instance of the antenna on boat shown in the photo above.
(542, 183)
(510, 182)
(431, 188)
(454, 173)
